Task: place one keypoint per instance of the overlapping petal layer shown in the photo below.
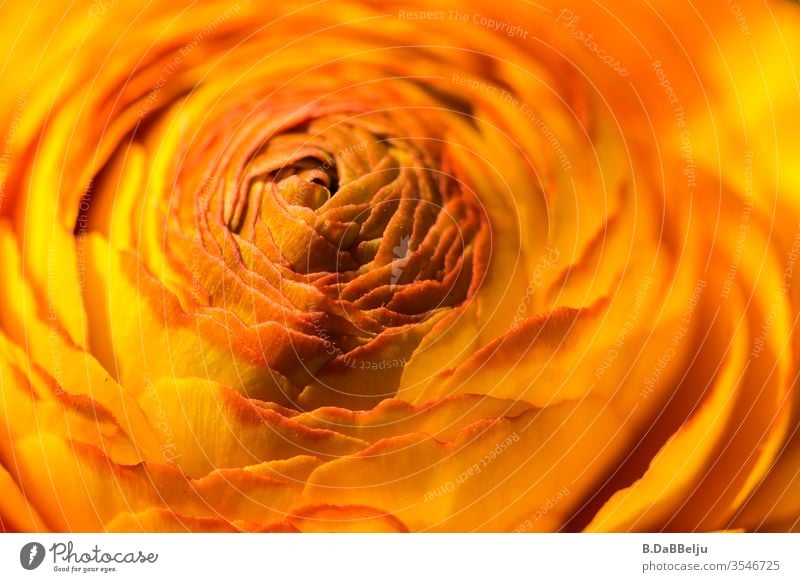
(366, 266)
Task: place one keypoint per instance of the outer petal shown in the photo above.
(489, 478)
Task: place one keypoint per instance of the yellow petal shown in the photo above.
(165, 521)
(16, 514)
(345, 519)
(489, 479)
(205, 426)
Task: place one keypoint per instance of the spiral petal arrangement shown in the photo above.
(369, 266)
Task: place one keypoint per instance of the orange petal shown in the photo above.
(345, 519)
(442, 419)
(80, 489)
(166, 521)
(16, 514)
(152, 337)
(776, 500)
(491, 477)
(734, 437)
(208, 426)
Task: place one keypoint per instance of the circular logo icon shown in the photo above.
(31, 555)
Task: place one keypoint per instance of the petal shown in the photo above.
(681, 463)
(529, 363)
(776, 500)
(442, 419)
(80, 489)
(16, 514)
(345, 519)
(208, 426)
(152, 337)
(166, 521)
(492, 476)
(75, 371)
(735, 435)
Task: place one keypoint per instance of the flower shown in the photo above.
(393, 267)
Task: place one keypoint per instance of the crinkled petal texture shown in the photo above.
(383, 266)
